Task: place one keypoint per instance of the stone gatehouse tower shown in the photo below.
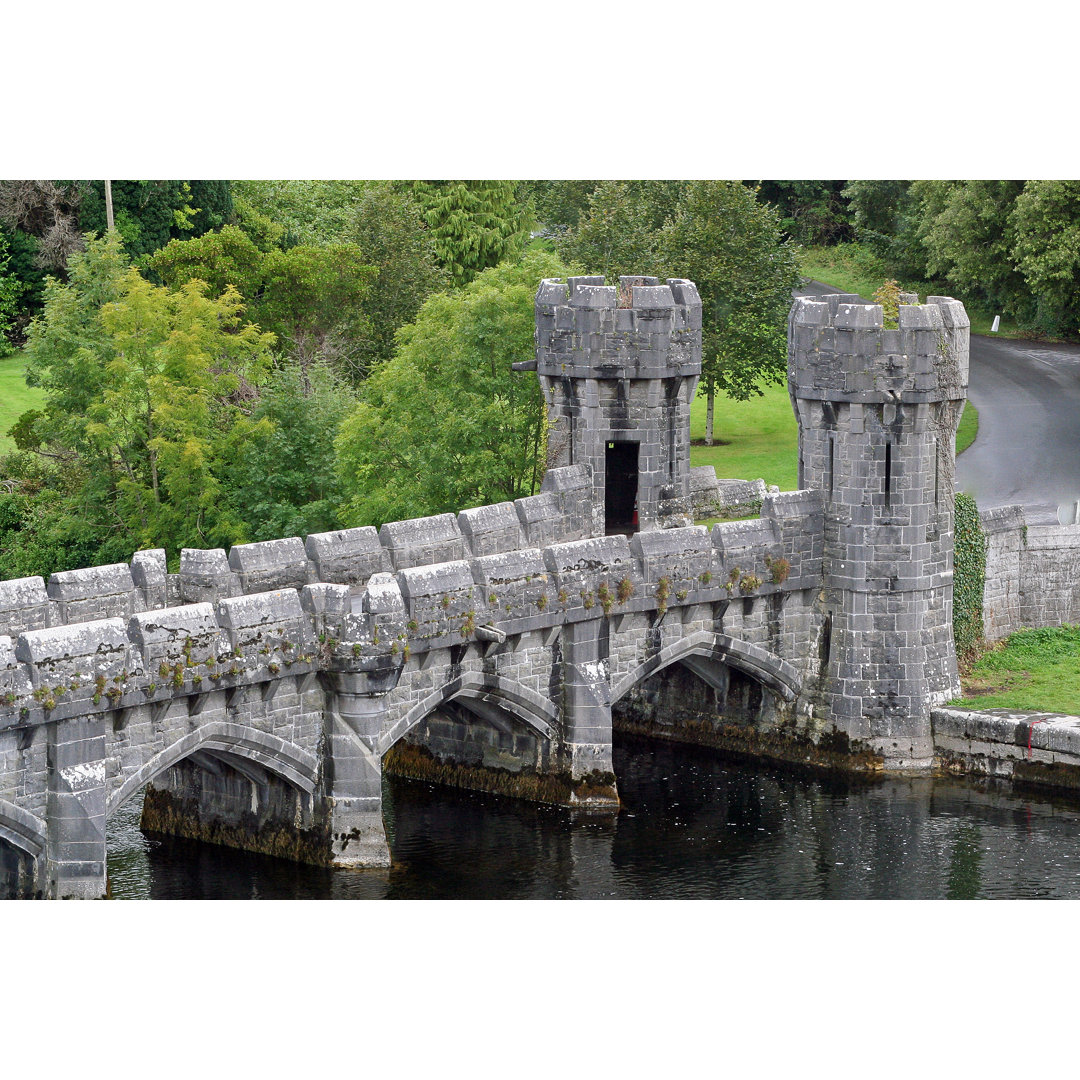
(618, 367)
(878, 411)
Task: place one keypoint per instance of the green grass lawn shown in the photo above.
(760, 438)
(852, 268)
(755, 438)
(15, 397)
(1031, 670)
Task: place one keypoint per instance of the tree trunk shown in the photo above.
(110, 224)
(709, 416)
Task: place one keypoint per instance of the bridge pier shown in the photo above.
(75, 852)
(586, 709)
(353, 766)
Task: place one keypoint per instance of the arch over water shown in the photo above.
(286, 759)
(22, 829)
(755, 661)
(528, 706)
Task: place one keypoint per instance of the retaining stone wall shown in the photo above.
(1032, 573)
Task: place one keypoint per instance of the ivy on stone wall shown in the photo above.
(969, 577)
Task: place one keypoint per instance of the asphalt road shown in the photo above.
(1028, 447)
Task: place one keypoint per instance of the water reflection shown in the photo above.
(692, 826)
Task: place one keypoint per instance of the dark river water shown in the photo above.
(693, 826)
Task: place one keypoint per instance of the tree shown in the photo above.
(48, 211)
(730, 245)
(1046, 226)
(225, 257)
(390, 232)
(811, 211)
(617, 234)
(309, 211)
(885, 214)
(965, 229)
(10, 291)
(447, 423)
(283, 481)
(474, 224)
(311, 297)
(148, 392)
(560, 204)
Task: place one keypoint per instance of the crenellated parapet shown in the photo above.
(878, 411)
(619, 365)
(89, 668)
(838, 350)
(640, 329)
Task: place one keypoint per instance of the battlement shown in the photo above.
(839, 350)
(639, 329)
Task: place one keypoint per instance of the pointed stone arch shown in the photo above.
(22, 829)
(528, 706)
(769, 670)
(293, 764)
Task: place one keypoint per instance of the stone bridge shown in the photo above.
(256, 696)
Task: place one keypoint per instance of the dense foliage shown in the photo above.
(147, 393)
(969, 577)
(473, 224)
(721, 236)
(447, 423)
(1011, 247)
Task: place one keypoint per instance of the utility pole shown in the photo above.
(109, 223)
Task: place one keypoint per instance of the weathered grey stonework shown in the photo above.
(1032, 573)
(494, 647)
(878, 411)
(619, 364)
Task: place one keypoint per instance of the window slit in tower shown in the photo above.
(937, 473)
(832, 454)
(888, 473)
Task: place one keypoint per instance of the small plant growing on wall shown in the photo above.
(663, 591)
(625, 590)
(603, 594)
(778, 569)
(748, 583)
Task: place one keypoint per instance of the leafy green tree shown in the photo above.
(283, 481)
(225, 257)
(390, 232)
(1046, 247)
(730, 245)
(447, 423)
(10, 291)
(146, 395)
(811, 211)
(474, 224)
(886, 215)
(309, 211)
(560, 204)
(965, 228)
(311, 297)
(618, 232)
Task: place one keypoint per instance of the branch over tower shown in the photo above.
(619, 366)
(878, 411)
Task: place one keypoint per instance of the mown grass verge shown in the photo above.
(1032, 670)
(755, 438)
(760, 438)
(15, 397)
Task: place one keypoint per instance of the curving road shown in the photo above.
(1028, 447)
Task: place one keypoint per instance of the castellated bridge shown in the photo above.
(256, 696)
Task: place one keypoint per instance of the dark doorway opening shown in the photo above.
(621, 487)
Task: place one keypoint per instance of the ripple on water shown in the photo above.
(693, 827)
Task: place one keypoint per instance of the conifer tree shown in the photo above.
(474, 224)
